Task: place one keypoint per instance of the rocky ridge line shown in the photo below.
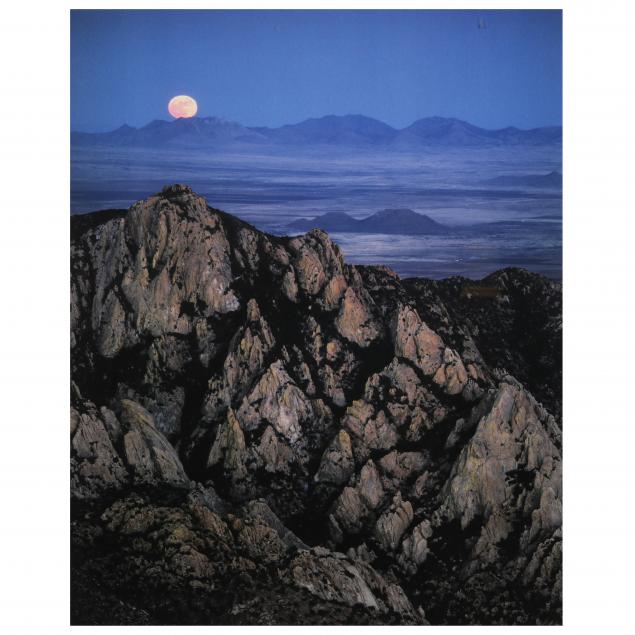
(214, 362)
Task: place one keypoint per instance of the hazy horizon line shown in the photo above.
(274, 127)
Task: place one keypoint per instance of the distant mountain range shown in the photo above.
(347, 131)
(193, 132)
(388, 221)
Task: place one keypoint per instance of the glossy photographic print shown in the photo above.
(316, 317)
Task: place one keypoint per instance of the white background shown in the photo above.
(599, 249)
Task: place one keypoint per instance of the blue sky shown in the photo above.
(269, 68)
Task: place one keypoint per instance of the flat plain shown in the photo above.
(497, 212)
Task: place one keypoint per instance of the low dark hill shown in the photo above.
(388, 221)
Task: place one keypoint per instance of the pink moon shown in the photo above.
(182, 106)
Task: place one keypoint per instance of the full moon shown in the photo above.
(182, 106)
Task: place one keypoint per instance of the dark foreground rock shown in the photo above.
(162, 558)
(370, 448)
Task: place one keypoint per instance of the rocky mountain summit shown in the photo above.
(263, 434)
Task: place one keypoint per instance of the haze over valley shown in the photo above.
(505, 185)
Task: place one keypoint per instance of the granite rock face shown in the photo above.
(110, 453)
(366, 455)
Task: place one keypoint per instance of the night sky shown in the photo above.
(269, 68)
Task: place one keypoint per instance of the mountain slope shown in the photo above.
(347, 130)
(513, 318)
(187, 133)
(264, 434)
(442, 131)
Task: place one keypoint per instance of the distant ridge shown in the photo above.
(388, 221)
(349, 129)
(443, 131)
(331, 130)
(193, 132)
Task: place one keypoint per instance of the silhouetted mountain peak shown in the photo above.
(399, 213)
(333, 129)
(402, 221)
(387, 221)
(192, 132)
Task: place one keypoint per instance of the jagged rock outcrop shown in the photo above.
(414, 548)
(393, 523)
(229, 448)
(332, 576)
(191, 561)
(337, 464)
(513, 318)
(354, 321)
(95, 464)
(366, 453)
(110, 453)
(415, 341)
(509, 475)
